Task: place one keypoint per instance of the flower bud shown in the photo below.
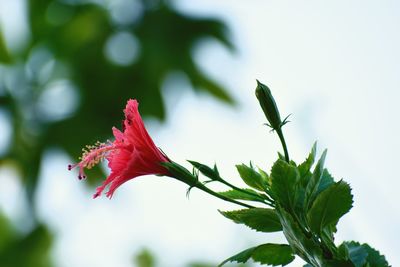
(268, 105)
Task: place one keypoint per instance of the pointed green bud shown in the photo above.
(268, 105)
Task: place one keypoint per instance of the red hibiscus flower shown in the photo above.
(132, 154)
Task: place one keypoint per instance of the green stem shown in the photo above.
(282, 138)
(267, 201)
(209, 191)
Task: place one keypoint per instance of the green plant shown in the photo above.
(301, 200)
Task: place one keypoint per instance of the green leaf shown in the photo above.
(305, 167)
(241, 257)
(342, 252)
(329, 206)
(357, 254)
(281, 156)
(264, 175)
(327, 236)
(271, 254)
(207, 171)
(251, 177)
(313, 183)
(302, 245)
(259, 219)
(235, 194)
(284, 178)
(375, 259)
(326, 181)
(365, 255)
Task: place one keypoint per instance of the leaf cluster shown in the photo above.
(306, 206)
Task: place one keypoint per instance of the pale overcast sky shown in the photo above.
(333, 64)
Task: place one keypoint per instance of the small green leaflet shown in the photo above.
(264, 175)
(305, 167)
(329, 206)
(241, 257)
(251, 177)
(271, 254)
(284, 179)
(205, 170)
(259, 219)
(313, 182)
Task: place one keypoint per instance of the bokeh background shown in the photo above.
(67, 68)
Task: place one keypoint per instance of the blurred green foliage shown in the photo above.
(24, 250)
(4, 54)
(145, 259)
(81, 63)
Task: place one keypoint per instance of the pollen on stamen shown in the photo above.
(91, 156)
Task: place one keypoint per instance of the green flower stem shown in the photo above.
(283, 142)
(209, 191)
(265, 200)
(182, 174)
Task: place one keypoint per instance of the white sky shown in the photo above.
(333, 64)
